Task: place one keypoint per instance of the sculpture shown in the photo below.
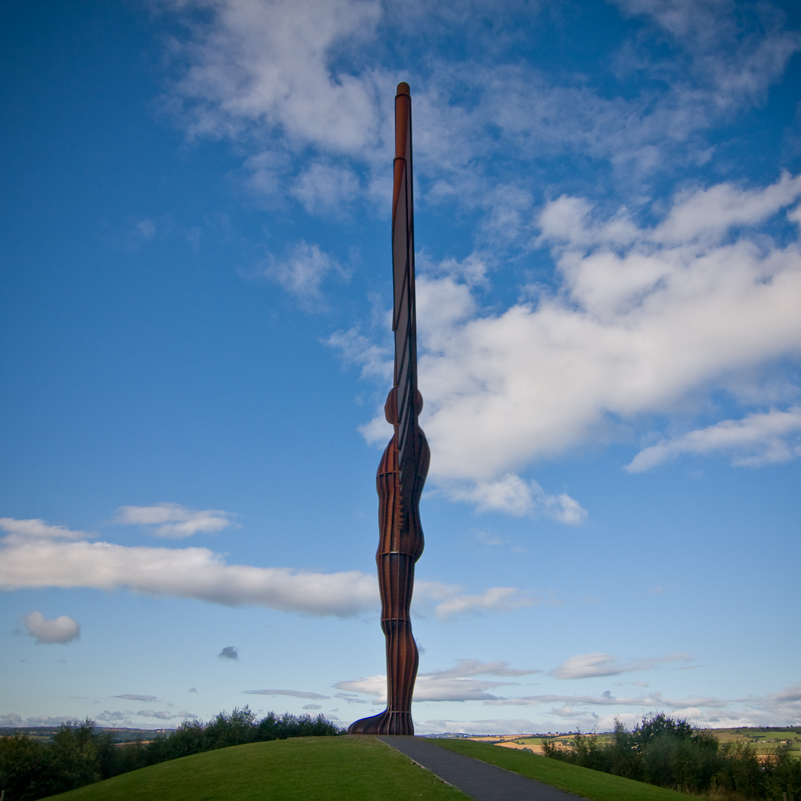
(404, 465)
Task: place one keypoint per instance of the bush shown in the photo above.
(670, 753)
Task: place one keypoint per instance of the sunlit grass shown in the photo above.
(331, 768)
(590, 784)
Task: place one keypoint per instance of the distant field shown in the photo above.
(45, 733)
(764, 740)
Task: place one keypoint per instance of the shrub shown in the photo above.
(670, 753)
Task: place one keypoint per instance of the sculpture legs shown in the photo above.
(396, 579)
(400, 545)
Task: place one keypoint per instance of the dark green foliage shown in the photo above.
(670, 753)
(26, 769)
(80, 754)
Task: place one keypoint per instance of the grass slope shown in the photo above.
(591, 784)
(333, 768)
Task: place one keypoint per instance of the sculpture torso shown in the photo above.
(399, 531)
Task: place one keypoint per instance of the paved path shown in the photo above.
(480, 780)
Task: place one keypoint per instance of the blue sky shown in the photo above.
(196, 348)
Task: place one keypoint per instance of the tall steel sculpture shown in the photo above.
(404, 465)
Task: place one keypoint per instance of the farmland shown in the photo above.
(764, 739)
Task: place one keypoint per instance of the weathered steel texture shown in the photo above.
(404, 466)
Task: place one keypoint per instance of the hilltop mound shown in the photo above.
(334, 768)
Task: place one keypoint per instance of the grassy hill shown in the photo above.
(333, 768)
(343, 768)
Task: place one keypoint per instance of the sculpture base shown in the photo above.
(388, 722)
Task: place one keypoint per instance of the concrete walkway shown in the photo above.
(480, 780)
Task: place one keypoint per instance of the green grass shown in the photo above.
(591, 784)
(343, 769)
(333, 768)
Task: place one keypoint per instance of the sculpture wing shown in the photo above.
(404, 322)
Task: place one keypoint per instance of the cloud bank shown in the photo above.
(30, 560)
(645, 321)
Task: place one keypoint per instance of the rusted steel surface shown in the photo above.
(404, 465)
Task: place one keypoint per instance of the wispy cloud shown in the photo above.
(585, 666)
(302, 271)
(355, 348)
(163, 714)
(133, 697)
(757, 439)
(31, 529)
(275, 73)
(456, 684)
(290, 693)
(172, 521)
(651, 701)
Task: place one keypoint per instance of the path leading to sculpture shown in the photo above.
(481, 781)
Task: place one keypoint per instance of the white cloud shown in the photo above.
(201, 574)
(707, 214)
(183, 572)
(757, 439)
(783, 705)
(585, 666)
(267, 65)
(639, 326)
(303, 270)
(324, 188)
(448, 600)
(303, 77)
(59, 630)
(174, 521)
(514, 496)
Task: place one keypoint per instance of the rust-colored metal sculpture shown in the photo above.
(404, 465)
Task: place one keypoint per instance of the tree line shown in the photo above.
(81, 753)
(671, 753)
